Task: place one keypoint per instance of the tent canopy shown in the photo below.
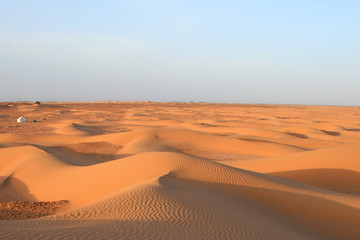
(21, 119)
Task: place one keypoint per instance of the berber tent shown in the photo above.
(21, 119)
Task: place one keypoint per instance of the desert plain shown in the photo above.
(149, 170)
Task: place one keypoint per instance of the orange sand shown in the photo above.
(142, 170)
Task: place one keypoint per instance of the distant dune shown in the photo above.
(145, 170)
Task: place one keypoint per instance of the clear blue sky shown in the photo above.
(260, 51)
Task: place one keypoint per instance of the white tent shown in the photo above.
(21, 119)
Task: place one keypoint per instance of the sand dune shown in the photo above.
(137, 170)
(337, 169)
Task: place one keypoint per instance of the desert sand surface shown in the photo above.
(148, 170)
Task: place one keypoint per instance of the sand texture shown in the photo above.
(144, 170)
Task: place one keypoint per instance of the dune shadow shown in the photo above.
(351, 129)
(91, 130)
(13, 189)
(279, 117)
(84, 154)
(331, 133)
(277, 143)
(298, 135)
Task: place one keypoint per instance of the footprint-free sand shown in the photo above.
(147, 170)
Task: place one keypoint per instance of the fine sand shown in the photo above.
(144, 170)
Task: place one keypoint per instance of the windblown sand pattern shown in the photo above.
(142, 170)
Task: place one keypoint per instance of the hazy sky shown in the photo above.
(258, 51)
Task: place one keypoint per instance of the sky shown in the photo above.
(231, 51)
